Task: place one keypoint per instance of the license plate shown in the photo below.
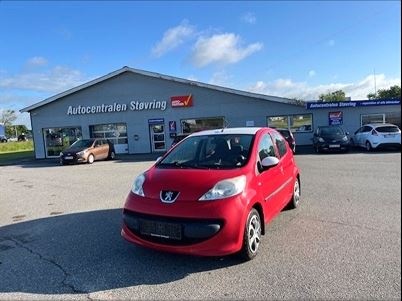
(160, 229)
(68, 158)
(335, 146)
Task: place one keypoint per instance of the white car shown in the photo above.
(373, 136)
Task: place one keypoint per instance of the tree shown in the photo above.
(298, 102)
(15, 130)
(7, 117)
(338, 95)
(391, 92)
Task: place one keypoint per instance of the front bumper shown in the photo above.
(207, 228)
(333, 146)
(71, 159)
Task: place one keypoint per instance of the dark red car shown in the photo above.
(213, 193)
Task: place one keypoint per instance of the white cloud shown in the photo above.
(222, 49)
(53, 80)
(311, 73)
(249, 18)
(355, 90)
(37, 61)
(172, 38)
(220, 78)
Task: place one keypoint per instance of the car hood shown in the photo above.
(190, 183)
(74, 150)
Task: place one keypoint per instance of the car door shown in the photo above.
(286, 166)
(97, 150)
(365, 135)
(269, 180)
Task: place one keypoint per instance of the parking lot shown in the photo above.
(60, 237)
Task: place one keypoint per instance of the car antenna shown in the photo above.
(225, 124)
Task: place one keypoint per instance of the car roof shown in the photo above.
(225, 131)
(380, 124)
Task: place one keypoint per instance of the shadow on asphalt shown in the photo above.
(84, 253)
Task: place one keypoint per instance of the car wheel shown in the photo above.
(252, 235)
(295, 200)
(112, 155)
(369, 148)
(91, 159)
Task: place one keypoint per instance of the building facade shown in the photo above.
(141, 112)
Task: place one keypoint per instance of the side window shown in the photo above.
(366, 129)
(280, 144)
(266, 147)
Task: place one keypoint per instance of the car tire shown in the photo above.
(369, 148)
(296, 196)
(252, 235)
(90, 159)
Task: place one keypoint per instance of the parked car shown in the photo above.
(330, 138)
(22, 137)
(3, 139)
(288, 135)
(213, 193)
(179, 138)
(374, 136)
(88, 150)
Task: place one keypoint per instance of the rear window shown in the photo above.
(387, 129)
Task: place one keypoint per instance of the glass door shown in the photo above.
(157, 133)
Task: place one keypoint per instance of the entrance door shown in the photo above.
(157, 133)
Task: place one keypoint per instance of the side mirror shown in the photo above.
(269, 162)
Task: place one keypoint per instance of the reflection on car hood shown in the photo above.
(190, 183)
(74, 150)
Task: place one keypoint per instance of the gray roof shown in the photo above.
(155, 75)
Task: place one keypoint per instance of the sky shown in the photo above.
(282, 48)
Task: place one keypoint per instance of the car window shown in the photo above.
(210, 151)
(280, 144)
(387, 129)
(366, 129)
(266, 147)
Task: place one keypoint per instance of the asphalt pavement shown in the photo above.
(60, 237)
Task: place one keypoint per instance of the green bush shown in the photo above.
(10, 147)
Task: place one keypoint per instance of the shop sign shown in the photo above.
(117, 107)
(181, 101)
(156, 121)
(352, 104)
(335, 118)
(172, 127)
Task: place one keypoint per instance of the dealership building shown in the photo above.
(141, 112)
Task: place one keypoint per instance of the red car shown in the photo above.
(213, 193)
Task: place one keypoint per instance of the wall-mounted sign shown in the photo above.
(352, 104)
(117, 107)
(156, 121)
(172, 127)
(335, 118)
(181, 101)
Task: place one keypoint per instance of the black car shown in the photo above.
(331, 138)
(288, 135)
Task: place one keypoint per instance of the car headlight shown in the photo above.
(225, 188)
(137, 185)
(321, 140)
(345, 139)
(81, 153)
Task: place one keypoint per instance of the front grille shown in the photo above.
(137, 222)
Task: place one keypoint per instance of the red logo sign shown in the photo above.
(182, 101)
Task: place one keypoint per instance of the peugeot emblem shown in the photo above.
(168, 196)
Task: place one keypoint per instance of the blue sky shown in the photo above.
(290, 49)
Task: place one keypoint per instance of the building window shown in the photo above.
(391, 117)
(296, 123)
(189, 126)
(114, 132)
(58, 139)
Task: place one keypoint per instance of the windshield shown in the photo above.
(82, 144)
(212, 151)
(332, 131)
(387, 129)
